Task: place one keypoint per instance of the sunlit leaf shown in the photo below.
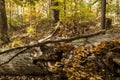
(18, 2)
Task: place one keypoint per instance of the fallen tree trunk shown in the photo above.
(24, 64)
(21, 60)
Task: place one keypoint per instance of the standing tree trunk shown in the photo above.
(3, 23)
(55, 11)
(118, 11)
(64, 8)
(103, 14)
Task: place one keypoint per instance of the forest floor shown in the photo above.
(85, 59)
(21, 36)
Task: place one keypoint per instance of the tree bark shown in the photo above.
(23, 64)
(118, 11)
(64, 8)
(3, 23)
(103, 14)
(37, 61)
(55, 12)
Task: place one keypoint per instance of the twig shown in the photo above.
(20, 52)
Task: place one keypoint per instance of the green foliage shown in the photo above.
(34, 11)
(81, 11)
(16, 42)
(111, 8)
(18, 2)
(16, 21)
(30, 31)
(32, 2)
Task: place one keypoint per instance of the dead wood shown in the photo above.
(34, 44)
(20, 52)
(43, 42)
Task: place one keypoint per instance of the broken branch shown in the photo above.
(35, 44)
(20, 52)
(43, 42)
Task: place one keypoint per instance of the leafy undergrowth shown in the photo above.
(90, 62)
(99, 62)
(68, 29)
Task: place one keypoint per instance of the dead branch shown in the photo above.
(35, 44)
(74, 38)
(20, 52)
(43, 42)
(27, 46)
(53, 34)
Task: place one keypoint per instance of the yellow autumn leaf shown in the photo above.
(30, 31)
(16, 42)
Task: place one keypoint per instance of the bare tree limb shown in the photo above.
(40, 41)
(20, 52)
(27, 46)
(24, 48)
(74, 38)
(53, 34)
(54, 41)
